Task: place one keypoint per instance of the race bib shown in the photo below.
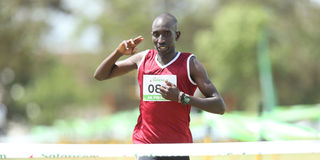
(152, 85)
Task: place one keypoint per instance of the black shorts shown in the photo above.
(165, 158)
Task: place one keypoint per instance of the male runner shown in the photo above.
(167, 80)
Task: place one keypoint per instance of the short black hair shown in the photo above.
(169, 17)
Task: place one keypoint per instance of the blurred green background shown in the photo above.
(263, 56)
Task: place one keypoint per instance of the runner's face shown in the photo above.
(164, 37)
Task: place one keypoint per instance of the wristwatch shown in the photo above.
(185, 99)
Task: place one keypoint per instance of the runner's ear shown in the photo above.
(178, 33)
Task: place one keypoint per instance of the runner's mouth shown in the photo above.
(162, 47)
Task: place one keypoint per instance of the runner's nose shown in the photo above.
(161, 39)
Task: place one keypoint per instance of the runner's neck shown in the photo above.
(165, 59)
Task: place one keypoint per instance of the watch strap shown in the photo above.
(185, 99)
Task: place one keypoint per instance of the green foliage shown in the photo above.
(20, 34)
(229, 50)
(296, 56)
(55, 87)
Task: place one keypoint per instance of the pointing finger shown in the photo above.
(138, 39)
(168, 83)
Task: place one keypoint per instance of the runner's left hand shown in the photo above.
(169, 91)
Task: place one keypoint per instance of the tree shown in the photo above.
(229, 50)
(22, 26)
(231, 45)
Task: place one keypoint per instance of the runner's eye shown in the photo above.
(155, 34)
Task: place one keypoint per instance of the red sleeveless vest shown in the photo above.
(163, 121)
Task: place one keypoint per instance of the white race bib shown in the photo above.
(152, 85)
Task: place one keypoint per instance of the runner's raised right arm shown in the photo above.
(111, 67)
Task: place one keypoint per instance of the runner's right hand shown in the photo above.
(128, 47)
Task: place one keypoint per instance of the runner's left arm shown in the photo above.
(212, 102)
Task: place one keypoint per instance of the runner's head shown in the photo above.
(165, 33)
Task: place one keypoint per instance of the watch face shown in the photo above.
(187, 99)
